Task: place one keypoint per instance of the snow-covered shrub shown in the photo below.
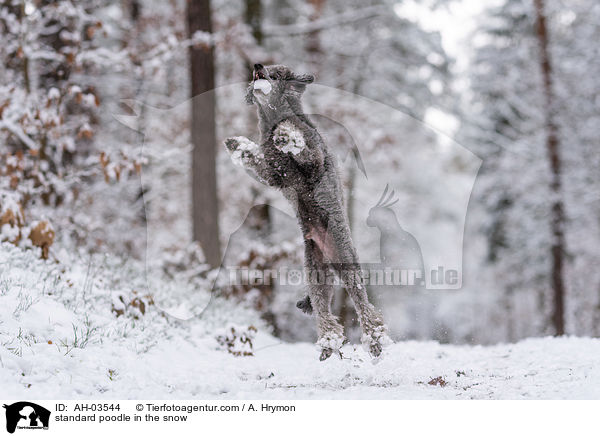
(15, 230)
(237, 340)
(49, 116)
(133, 305)
(82, 300)
(11, 219)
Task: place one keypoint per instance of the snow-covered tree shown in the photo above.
(510, 122)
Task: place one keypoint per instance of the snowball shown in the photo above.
(263, 85)
(288, 138)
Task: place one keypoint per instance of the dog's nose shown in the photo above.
(258, 67)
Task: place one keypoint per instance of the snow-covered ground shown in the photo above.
(60, 339)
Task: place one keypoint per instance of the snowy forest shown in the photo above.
(122, 214)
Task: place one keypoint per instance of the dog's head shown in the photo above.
(273, 83)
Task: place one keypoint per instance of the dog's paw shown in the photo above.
(242, 149)
(375, 349)
(231, 144)
(376, 340)
(330, 343)
(325, 354)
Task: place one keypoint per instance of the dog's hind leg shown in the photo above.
(331, 333)
(374, 330)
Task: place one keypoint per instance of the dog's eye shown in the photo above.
(273, 76)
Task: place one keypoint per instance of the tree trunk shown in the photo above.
(253, 18)
(313, 41)
(204, 177)
(557, 217)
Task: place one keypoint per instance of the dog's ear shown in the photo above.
(299, 81)
(304, 78)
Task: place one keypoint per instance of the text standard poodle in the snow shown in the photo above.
(293, 158)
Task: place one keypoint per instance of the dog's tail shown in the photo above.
(305, 305)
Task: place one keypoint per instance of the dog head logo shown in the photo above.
(25, 415)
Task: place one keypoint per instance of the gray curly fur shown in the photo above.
(310, 182)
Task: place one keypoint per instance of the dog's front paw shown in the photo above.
(241, 149)
(232, 144)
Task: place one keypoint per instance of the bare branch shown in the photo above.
(17, 131)
(326, 23)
